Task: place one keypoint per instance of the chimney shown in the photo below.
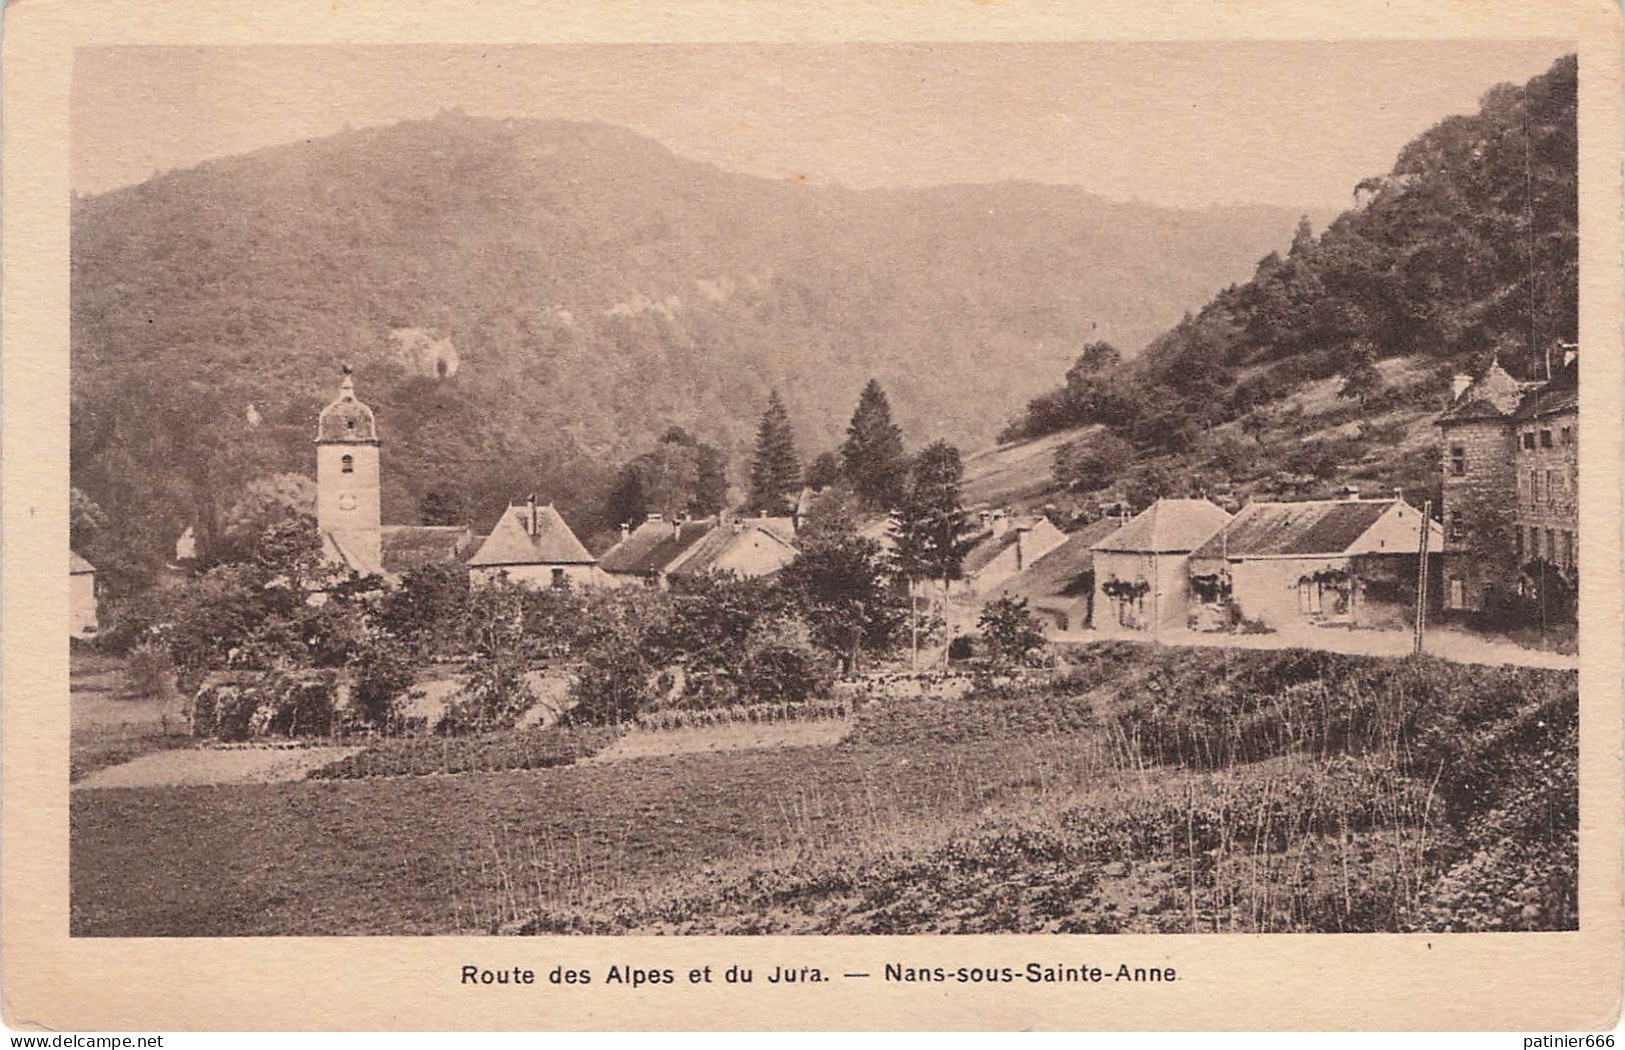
(531, 504)
(1349, 492)
(1458, 386)
(626, 531)
(1001, 523)
(677, 528)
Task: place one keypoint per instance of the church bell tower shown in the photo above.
(347, 479)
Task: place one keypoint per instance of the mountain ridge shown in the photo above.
(597, 287)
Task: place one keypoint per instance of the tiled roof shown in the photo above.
(1308, 527)
(514, 542)
(1493, 395)
(338, 546)
(77, 564)
(1063, 572)
(653, 546)
(1167, 526)
(407, 547)
(704, 555)
(1559, 394)
(986, 548)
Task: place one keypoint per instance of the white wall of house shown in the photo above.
(1270, 590)
(1166, 604)
(82, 604)
(538, 575)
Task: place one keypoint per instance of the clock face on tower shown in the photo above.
(346, 501)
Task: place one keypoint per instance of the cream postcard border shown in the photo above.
(1530, 981)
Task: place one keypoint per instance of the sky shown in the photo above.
(1181, 124)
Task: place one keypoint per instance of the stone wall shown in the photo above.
(1547, 465)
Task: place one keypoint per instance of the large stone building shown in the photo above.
(1510, 458)
(349, 509)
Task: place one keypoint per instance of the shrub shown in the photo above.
(781, 664)
(496, 696)
(149, 670)
(382, 675)
(1009, 631)
(243, 705)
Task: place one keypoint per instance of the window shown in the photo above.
(1534, 544)
(1551, 545)
(1458, 460)
(558, 577)
(1517, 542)
(1458, 531)
(1545, 439)
(1534, 484)
(1529, 439)
(1309, 597)
(1551, 488)
(347, 464)
(1568, 435)
(1568, 550)
(1458, 597)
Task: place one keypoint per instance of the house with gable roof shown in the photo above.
(1004, 545)
(1142, 568)
(1343, 561)
(1059, 586)
(660, 549)
(532, 544)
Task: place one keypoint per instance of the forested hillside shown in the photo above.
(1329, 365)
(530, 305)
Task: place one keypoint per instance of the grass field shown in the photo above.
(107, 725)
(1137, 790)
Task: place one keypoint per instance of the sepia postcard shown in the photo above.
(993, 515)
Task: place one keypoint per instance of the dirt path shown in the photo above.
(198, 766)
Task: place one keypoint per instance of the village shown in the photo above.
(1175, 568)
(451, 595)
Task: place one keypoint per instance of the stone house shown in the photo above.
(1509, 451)
(1003, 546)
(1348, 561)
(1059, 586)
(1546, 523)
(660, 549)
(1142, 569)
(531, 544)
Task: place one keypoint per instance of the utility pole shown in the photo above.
(1422, 577)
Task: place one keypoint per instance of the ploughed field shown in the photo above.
(1132, 789)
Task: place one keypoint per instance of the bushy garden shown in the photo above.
(276, 643)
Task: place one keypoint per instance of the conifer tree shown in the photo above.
(775, 471)
(930, 529)
(872, 457)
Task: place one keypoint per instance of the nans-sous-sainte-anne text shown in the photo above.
(1032, 973)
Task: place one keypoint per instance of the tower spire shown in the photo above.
(347, 386)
